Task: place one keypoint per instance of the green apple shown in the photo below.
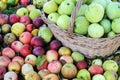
(82, 9)
(3, 5)
(50, 7)
(101, 2)
(66, 7)
(18, 28)
(22, 12)
(119, 78)
(81, 25)
(39, 3)
(111, 34)
(106, 24)
(115, 25)
(95, 30)
(45, 33)
(77, 56)
(58, 1)
(53, 17)
(5, 28)
(112, 65)
(64, 51)
(110, 75)
(97, 62)
(83, 74)
(94, 12)
(113, 10)
(98, 77)
(34, 13)
(63, 21)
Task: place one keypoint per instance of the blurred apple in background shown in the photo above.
(2, 72)
(3, 5)
(55, 44)
(3, 19)
(14, 18)
(10, 76)
(5, 28)
(25, 20)
(16, 46)
(7, 51)
(18, 59)
(38, 51)
(4, 61)
(24, 1)
(30, 7)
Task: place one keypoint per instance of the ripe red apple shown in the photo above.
(2, 72)
(29, 27)
(25, 37)
(25, 50)
(10, 76)
(55, 66)
(51, 55)
(19, 59)
(3, 19)
(37, 41)
(14, 18)
(66, 59)
(4, 61)
(14, 66)
(24, 1)
(55, 44)
(25, 20)
(38, 51)
(38, 22)
(7, 51)
(82, 65)
(16, 46)
(95, 69)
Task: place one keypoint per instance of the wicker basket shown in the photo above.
(90, 47)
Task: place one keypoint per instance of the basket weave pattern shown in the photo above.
(90, 47)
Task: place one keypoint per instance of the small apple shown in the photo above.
(115, 25)
(5, 28)
(30, 7)
(18, 59)
(110, 75)
(3, 5)
(16, 46)
(14, 18)
(66, 59)
(51, 55)
(51, 76)
(97, 62)
(2, 72)
(24, 1)
(98, 77)
(7, 51)
(95, 69)
(42, 73)
(3, 19)
(38, 51)
(111, 34)
(10, 76)
(30, 59)
(53, 17)
(38, 22)
(25, 50)
(55, 66)
(4, 61)
(34, 32)
(64, 51)
(82, 65)
(55, 44)
(22, 12)
(29, 27)
(25, 20)
(25, 37)
(34, 13)
(14, 66)
(26, 68)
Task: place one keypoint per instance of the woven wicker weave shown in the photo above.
(90, 47)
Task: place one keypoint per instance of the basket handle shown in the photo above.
(73, 17)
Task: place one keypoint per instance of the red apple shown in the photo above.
(7, 51)
(95, 69)
(4, 61)
(55, 44)
(38, 51)
(16, 46)
(29, 27)
(38, 22)
(14, 18)
(10, 76)
(66, 59)
(24, 1)
(82, 65)
(37, 41)
(18, 59)
(25, 37)
(25, 20)
(3, 19)
(25, 50)
(2, 72)
(14, 66)
(54, 66)
(51, 55)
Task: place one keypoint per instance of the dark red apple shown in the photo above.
(2, 72)
(55, 44)
(82, 65)
(25, 50)
(25, 20)
(38, 51)
(1, 38)
(13, 18)
(3, 19)
(38, 22)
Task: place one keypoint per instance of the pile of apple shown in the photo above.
(95, 18)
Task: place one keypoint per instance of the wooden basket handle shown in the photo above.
(73, 17)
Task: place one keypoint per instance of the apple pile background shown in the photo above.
(29, 50)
